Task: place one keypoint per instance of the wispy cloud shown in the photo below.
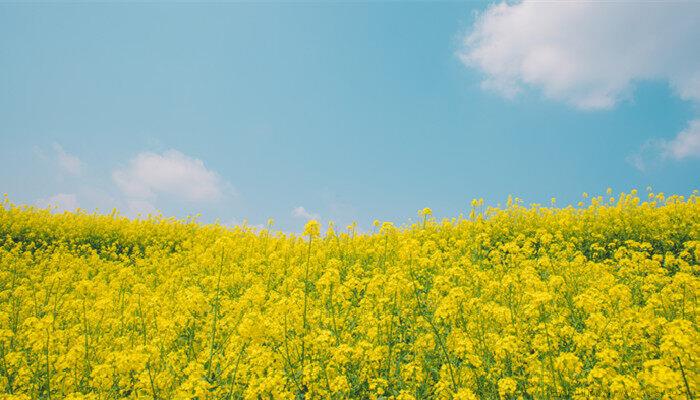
(587, 54)
(67, 163)
(301, 212)
(60, 202)
(141, 184)
(59, 160)
(685, 145)
(648, 156)
(173, 174)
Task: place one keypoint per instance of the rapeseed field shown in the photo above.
(595, 301)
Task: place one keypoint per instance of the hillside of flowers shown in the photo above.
(594, 301)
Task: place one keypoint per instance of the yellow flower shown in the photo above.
(590, 302)
(312, 229)
(506, 387)
(465, 394)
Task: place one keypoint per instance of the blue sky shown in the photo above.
(344, 111)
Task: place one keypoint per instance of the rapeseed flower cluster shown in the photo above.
(598, 301)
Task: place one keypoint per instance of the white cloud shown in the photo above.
(301, 212)
(637, 160)
(686, 144)
(60, 202)
(67, 162)
(170, 173)
(587, 54)
(648, 156)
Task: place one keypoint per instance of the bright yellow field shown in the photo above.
(598, 301)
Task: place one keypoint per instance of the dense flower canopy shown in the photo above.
(595, 301)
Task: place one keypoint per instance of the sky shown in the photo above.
(344, 111)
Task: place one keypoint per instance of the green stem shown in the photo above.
(685, 380)
(436, 332)
(235, 369)
(306, 296)
(216, 318)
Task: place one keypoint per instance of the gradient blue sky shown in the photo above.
(351, 111)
